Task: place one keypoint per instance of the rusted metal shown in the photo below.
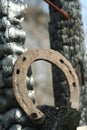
(19, 79)
(57, 8)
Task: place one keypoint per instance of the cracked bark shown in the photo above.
(67, 37)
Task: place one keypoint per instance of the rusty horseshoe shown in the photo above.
(19, 79)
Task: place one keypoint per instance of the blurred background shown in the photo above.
(37, 36)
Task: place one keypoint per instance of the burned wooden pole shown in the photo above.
(67, 37)
(12, 38)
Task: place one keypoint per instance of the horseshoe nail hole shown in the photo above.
(74, 85)
(61, 61)
(70, 71)
(34, 115)
(24, 59)
(18, 71)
